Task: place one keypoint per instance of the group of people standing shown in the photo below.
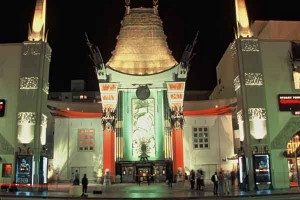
(223, 181)
(197, 178)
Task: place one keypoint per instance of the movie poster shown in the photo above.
(6, 170)
(262, 169)
(24, 169)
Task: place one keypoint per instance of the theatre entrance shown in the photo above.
(139, 170)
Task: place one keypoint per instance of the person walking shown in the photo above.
(232, 176)
(198, 185)
(214, 179)
(201, 180)
(84, 182)
(148, 178)
(227, 182)
(170, 179)
(192, 179)
(76, 178)
(221, 183)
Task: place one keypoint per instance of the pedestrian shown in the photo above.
(148, 178)
(232, 177)
(170, 179)
(192, 179)
(84, 182)
(198, 186)
(221, 183)
(214, 179)
(201, 179)
(76, 179)
(227, 181)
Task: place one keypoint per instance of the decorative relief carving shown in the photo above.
(5, 146)
(250, 45)
(32, 49)
(46, 87)
(26, 118)
(237, 83)
(233, 49)
(29, 83)
(239, 116)
(48, 53)
(44, 120)
(257, 113)
(254, 79)
(177, 118)
(109, 119)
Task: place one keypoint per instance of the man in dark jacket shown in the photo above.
(214, 179)
(84, 182)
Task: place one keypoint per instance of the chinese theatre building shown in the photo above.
(141, 127)
(141, 87)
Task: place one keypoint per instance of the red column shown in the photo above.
(109, 151)
(177, 139)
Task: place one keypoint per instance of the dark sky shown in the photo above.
(68, 20)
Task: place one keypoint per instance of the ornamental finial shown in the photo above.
(127, 2)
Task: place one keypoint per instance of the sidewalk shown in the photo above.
(144, 191)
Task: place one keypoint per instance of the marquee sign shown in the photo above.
(289, 102)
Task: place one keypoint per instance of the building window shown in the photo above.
(86, 139)
(200, 138)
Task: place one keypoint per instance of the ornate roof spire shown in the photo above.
(127, 7)
(127, 2)
(242, 21)
(155, 6)
(37, 32)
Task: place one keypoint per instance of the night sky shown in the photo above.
(67, 21)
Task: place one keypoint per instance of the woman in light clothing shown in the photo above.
(227, 179)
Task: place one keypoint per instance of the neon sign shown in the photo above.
(289, 102)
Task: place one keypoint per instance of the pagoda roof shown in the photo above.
(141, 47)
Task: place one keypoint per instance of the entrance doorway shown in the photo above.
(144, 173)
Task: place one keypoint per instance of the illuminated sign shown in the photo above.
(2, 107)
(289, 102)
(176, 86)
(262, 173)
(24, 169)
(108, 87)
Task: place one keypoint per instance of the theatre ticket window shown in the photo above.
(86, 139)
(200, 137)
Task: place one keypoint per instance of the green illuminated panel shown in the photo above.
(143, 118)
